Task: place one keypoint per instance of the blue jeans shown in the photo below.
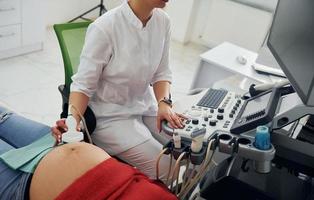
(15, 132)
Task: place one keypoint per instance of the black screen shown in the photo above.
(291, 41)
(256, 105)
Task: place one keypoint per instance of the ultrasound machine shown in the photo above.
(262, 152)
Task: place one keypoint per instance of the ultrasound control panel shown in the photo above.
(212, 109)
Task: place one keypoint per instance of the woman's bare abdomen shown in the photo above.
(62, 166)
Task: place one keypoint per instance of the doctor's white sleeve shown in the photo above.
(95, 56)
(163, 72)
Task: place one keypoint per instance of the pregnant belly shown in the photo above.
(62, 166)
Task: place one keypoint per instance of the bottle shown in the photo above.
(262, 138)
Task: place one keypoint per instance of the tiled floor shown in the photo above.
(28, 83)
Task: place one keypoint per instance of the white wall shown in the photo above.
(202, 13)
(237, 23)
(60, 11)
(207, 22)
(211, 22)
(182, 15)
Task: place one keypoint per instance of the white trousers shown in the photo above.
(136, 141)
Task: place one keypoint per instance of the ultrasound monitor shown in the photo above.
(291, 41)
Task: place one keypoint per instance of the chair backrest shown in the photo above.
(71, 37)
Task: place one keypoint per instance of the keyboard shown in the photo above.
(212, 98)
(211, 109)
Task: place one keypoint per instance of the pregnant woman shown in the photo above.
(70, 171)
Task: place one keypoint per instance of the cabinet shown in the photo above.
(21, 27)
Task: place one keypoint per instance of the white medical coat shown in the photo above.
(120, 60)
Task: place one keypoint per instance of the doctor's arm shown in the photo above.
(161, 85)
(95, 55)
(79, 101)
(165, 112)
(161, 90)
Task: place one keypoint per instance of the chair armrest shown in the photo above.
(65, 92)
(89, 115)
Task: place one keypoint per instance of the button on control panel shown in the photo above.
(220, 117)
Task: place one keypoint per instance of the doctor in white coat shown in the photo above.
(124, 77)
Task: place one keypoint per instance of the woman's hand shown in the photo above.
(166, 113)
(59, 129)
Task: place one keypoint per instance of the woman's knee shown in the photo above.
(4, 147)
(19, 131)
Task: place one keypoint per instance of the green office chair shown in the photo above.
(71, 37)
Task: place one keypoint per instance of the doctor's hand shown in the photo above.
(165, 112)
(60, 128)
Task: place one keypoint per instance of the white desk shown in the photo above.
(221, 62)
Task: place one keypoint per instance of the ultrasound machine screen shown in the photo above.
(257, 104)
(291, 41)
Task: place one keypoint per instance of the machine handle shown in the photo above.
(6, 35)
(168, 130)
(7, 9)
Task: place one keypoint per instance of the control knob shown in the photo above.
(220, 116)
(212, 122)
(195, 121)
(195, 113)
